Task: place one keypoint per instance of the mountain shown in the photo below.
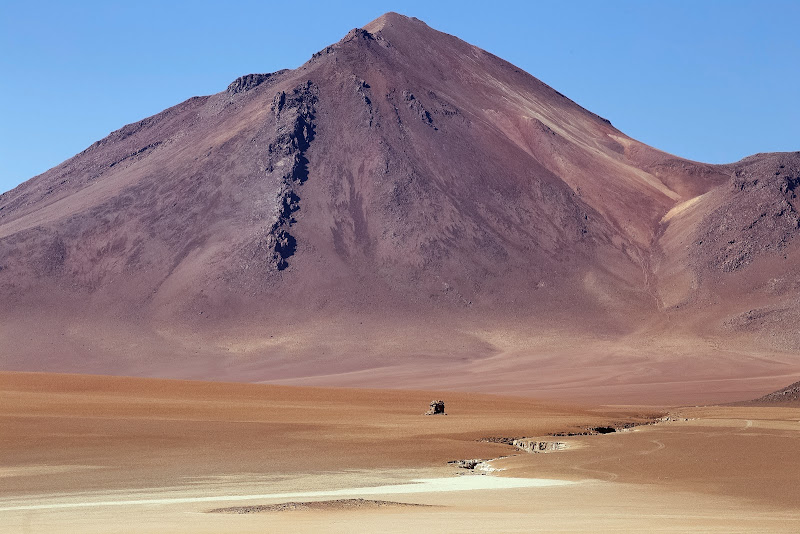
(405, 210)
(788, 396)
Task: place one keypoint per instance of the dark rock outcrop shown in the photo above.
(417, 108)
(788, 396)
(466, 464)
(436, 408)
(249, 81)
(294, 115)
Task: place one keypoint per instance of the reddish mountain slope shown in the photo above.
(402, 207)
(788, 396)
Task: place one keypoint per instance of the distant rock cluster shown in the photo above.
(436, 408)
(528, 444)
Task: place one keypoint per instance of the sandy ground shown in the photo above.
(99, 454)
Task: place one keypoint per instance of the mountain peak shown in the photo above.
(392, 19)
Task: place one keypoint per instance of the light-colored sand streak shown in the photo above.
(424, 485)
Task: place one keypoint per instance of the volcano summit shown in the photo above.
(405, 210)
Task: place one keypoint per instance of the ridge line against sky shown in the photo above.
(713, 81)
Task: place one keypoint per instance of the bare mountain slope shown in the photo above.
(788, 396)
(402, 206)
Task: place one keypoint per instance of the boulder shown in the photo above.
(436, 408)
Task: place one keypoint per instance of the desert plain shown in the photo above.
(108, 454)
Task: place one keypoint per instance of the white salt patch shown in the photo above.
(38, 470)
(423, 485)
(487, 467)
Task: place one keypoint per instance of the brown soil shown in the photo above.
(70, 442)
(110, 433)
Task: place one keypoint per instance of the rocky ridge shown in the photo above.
(788, 396)
(294, 119)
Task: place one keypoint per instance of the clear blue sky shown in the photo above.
(708, 80)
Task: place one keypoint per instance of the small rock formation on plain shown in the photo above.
(528, 444)
(436, 408)
(467, 464)
(788, 396)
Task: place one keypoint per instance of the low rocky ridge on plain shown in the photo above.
(788, 396)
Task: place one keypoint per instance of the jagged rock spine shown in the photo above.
(294, 116)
